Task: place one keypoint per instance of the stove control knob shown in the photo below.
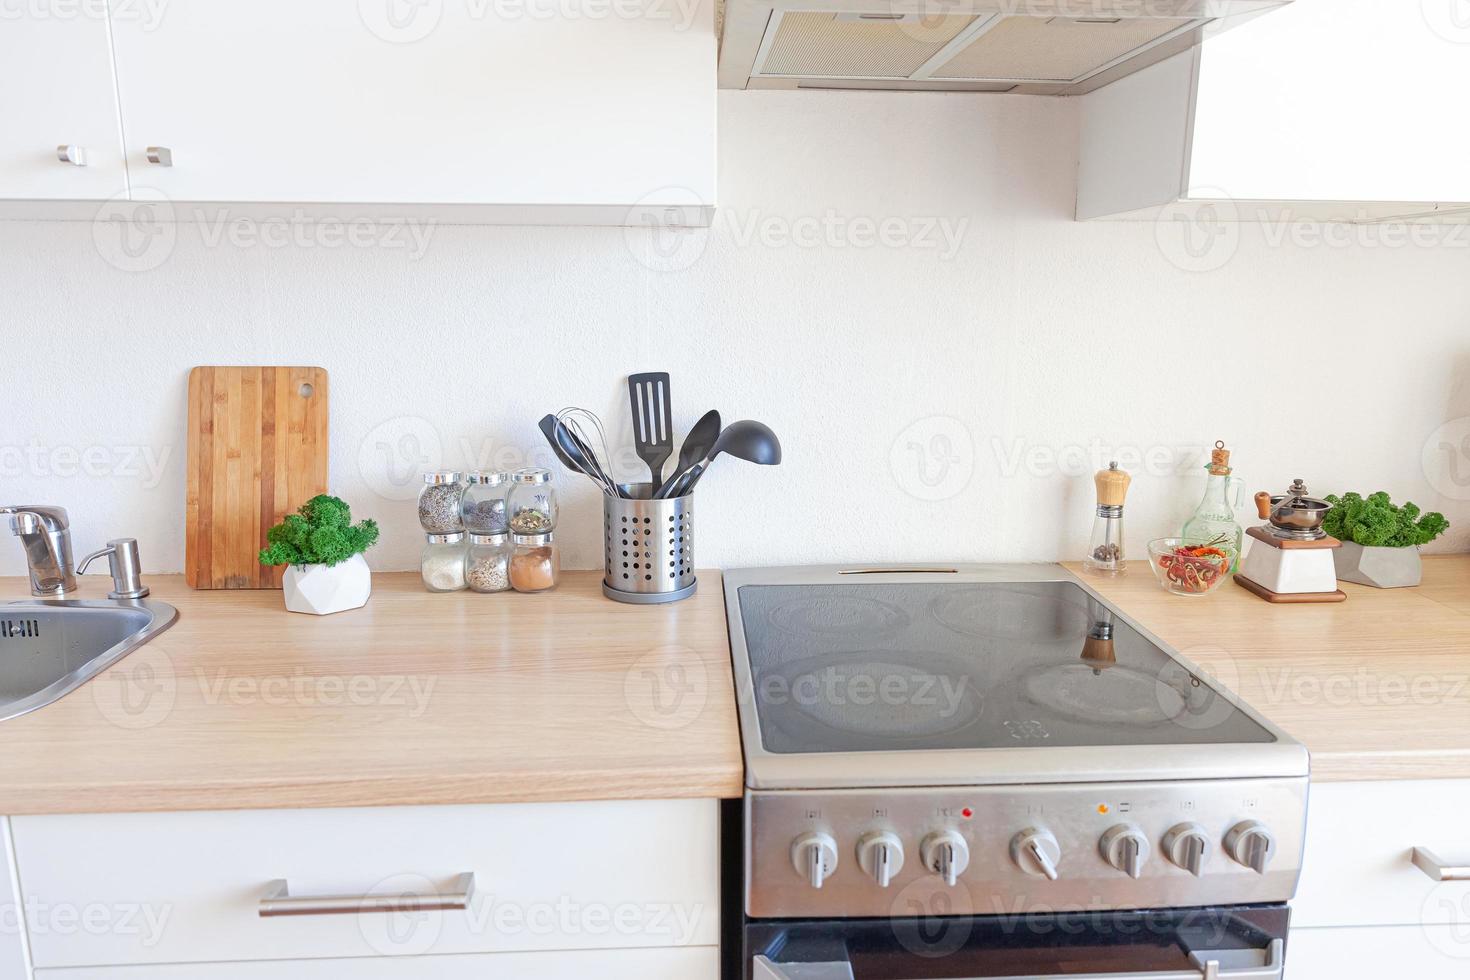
(1036, 852)
(1188, 846)
(1251, 844)
(1126, 848)
(814, 856)
(946, 854)
(880, 854)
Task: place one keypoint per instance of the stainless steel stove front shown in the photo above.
(1188, 843)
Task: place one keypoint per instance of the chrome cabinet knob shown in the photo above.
(880, 855)
(946, 854)
(1188, 846)
(814, 856)
(160, 155)
(1252, 845)
(1037, 853)
(1126, 848)
(72, 154)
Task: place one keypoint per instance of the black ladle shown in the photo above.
(699, 441)
(751, 441)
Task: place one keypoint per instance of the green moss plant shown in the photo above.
(320, 533)
(1373, 521)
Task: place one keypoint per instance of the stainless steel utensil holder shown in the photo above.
(648, 546)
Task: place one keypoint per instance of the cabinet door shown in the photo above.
(699, 963)
(1386, 953)
(1337, 100)
(394, 102)
(1357, 870)
(187, 888)
(56, 73)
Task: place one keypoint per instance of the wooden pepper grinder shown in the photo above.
(1105, 557)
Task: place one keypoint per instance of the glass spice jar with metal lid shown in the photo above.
(484, 507)
(535, 566)
(439, 502)
(532, 502)
(487, 565)
(442, 564)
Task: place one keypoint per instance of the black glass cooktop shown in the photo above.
(884, 667)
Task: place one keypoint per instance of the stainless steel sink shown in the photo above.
(51, 647)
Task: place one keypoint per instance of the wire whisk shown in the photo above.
(582, 424)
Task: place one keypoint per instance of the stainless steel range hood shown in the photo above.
(1033, 47)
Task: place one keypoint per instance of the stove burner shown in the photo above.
(877, 698)
(837, 615)
(1012, 614)
(1116, 695)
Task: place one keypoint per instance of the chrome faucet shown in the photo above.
(46, 534)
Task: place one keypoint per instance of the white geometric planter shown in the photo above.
(323, 589)
(1383, 568)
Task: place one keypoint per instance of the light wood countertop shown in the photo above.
(414, 699)
(1377, 687)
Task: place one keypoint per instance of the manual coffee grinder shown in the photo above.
(1291, 558)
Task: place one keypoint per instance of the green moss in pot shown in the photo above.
(323, 548)
(1380, 541)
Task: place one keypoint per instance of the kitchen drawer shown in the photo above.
(693, 963)
(186, 887)
(1357, 869)
(1380, 953)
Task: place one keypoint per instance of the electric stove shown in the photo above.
(970, 741)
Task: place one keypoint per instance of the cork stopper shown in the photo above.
(1219, 460)
(1112, 485)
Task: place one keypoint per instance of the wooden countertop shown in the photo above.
(1377, 687)
(416, 698)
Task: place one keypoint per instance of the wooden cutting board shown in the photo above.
(257, 451)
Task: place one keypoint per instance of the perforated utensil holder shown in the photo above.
(648, 547)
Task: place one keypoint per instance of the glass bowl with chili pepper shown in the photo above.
(1188, 569)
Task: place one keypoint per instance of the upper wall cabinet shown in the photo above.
(1340, 108)
(521, 111)
(59, 137)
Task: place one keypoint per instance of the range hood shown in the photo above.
(1031, 47)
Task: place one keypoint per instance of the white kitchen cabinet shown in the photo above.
(13, 963)
(1335, 108)
(701, 963)
(1384, 953)
(589, 113)
(1357, 870)
(185, 888)
(56, 76)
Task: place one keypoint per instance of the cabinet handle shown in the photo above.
(160, 155)
(72, 154)
(277, 900)
(1431, 864)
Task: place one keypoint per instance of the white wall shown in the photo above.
(922, 397)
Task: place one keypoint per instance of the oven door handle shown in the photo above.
(1209, 969)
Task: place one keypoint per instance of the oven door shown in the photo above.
(1246, 943)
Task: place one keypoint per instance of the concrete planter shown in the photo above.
(323, 589)
(1383, 568)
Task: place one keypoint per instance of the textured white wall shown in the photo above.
(937, 399)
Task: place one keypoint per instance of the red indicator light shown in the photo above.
(967, 813)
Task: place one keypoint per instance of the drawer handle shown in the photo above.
(277, 900)
(1430, 863)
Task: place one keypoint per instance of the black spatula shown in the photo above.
(653, 421)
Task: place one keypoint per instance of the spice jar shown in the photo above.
(532, 502)
(443, 562)
(483, 506)
(487, 565)
(439, 502)
(535, 565)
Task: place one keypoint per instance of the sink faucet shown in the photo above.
(46, 535)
